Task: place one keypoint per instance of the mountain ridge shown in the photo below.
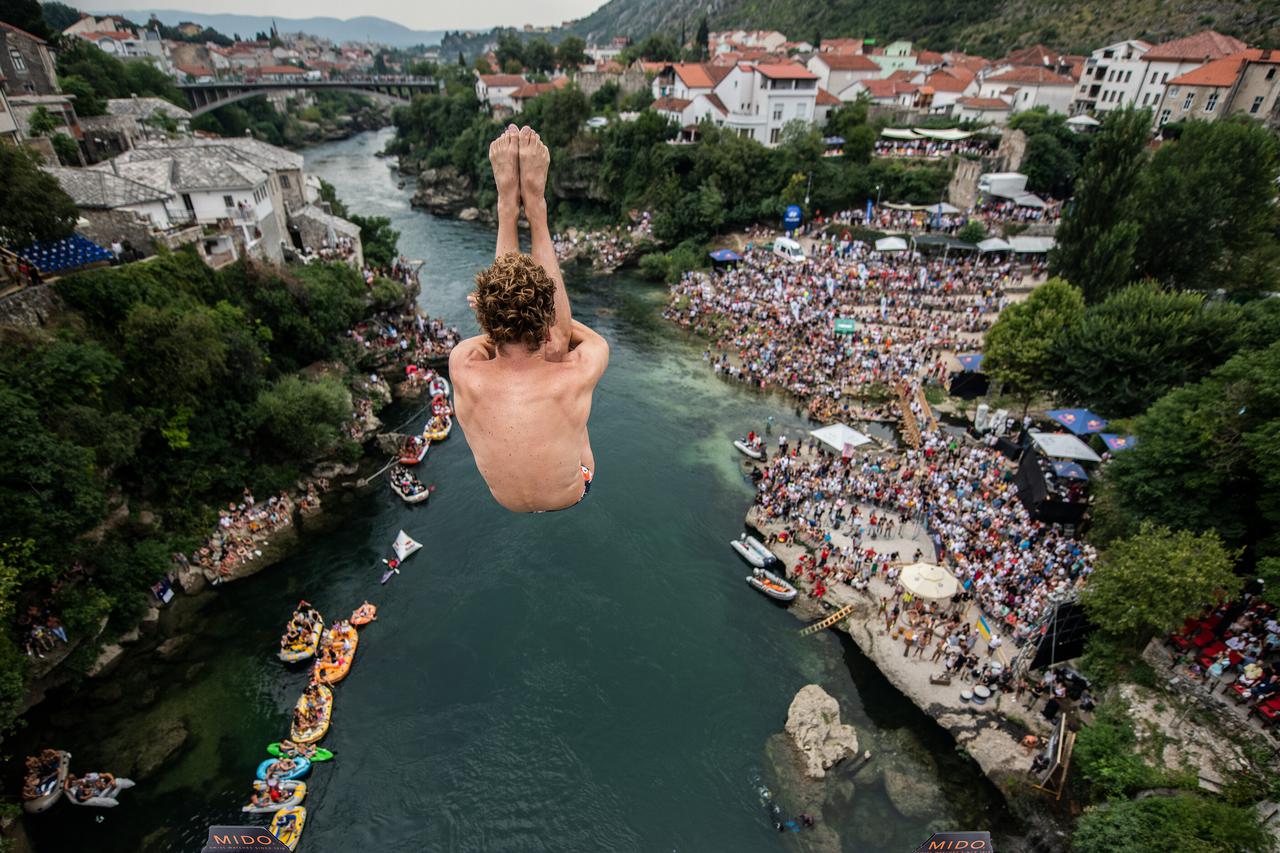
(361, 28)
(987, 27)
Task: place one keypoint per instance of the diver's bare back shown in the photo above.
(527, 427)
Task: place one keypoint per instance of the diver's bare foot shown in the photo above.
(535, 159)
(504, 156)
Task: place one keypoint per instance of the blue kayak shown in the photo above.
(303, 768)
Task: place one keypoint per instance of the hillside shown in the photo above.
(366, 28)
(977, 26)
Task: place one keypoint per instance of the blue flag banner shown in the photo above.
(1069, 471)
(725, 255)
(970, 362)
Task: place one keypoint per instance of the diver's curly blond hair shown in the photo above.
(515, 301)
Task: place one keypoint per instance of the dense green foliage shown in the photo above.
(35, 207)
(694, 191)
(1098, 234)
(1208, 458)
(94, 76)
(1140, 343)
(1201, 214)
(1149, 583)
(168, 387)
(26, 15)
(1106, 756)
(1019, 346)
(1185, 823)
(380, 240)
(1207, 207)
(291, 128)
(1053, 153)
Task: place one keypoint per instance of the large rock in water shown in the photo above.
(813, 723)
(444, 191)
(913, 796)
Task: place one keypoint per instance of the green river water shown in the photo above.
(600, 679)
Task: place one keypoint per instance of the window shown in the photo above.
(1173, 91)
(227, 201)
(773, 136)
(1191, 99)
(777, 112)
(1164, 117)
(1154, 75)
(1128, 75)
(1271, 73)
(1144, 98)
(284, 181)
(1211, 102)
(19, 64)
(1165, 78)
(1257, 105)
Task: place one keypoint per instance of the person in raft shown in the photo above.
(522, 389)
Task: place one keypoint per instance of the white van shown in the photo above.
(788, 249)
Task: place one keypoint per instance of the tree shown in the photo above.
(973, 231)
(66, 149)
(1098, 235)
(42, 122)
(703, 38)
(88, 102)
(571, 52)
(1149, 583)
(1183, 823)
(539, 55)
(303, 418)
(1051, 158)
(1208, 209)
(26, 15)
(1019, 346)
(510, 50)
(1138, 344)
(59, 16)
(35, 207)
(1207, 459)
(379, 239)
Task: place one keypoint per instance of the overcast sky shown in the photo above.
(420, 15)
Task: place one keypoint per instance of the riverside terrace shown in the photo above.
(776, 319)
(953, 503)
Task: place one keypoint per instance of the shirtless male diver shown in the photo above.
(522, 388)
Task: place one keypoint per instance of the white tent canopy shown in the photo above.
(994, 244)
(1062, 445)
(838, 436)
(951, 134)
(943, 207)
(1083, 120)
(899, 133)
(1031, 245)
(1030, 200)
(891, 244)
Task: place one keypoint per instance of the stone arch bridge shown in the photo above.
(204, 97)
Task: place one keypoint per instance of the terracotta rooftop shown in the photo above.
(983, 103)
(825, 98)
(1223, 72)
(786, 71)
(503, 81)
(848, 62)
(1202, 46)
(1029, 74)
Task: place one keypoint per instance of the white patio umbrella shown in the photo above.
(927, 580)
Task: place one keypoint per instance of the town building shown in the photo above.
(495, 90)
(1174, 58)
(837, 72)
(26, 63)
(1245, 83)
(10, 133)
(1027, 87)
(993, 111)
(1112, 78)
(896, 56)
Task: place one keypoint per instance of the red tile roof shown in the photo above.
(1037, 54)
(786, 71)
(825, 98)
(1202, 46)
(503, 81)
(983, 103)
(281, 69)
(668, 104)
(532, 90)
(841, 46)
(848, 62)
(1029, 74)
(715, 101)
(195, 70)
(694, 75)
(118, 35)
(1223, 72)
(928, 57)
(886, 88)
(941, 81)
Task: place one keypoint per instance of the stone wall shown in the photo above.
(629, 81)
(108, 225)
(1013, 147)
(32, 307)
(963, 189)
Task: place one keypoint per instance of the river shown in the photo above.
(597, 679)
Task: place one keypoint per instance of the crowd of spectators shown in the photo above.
(242, 529)
(772, 322)
(938, 148)
(606, 248)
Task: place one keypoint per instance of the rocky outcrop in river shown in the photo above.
(444, 191)
(813, 723)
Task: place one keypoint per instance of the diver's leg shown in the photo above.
(535, 160)
(504, 155)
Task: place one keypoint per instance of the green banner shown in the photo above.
(846, 326)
